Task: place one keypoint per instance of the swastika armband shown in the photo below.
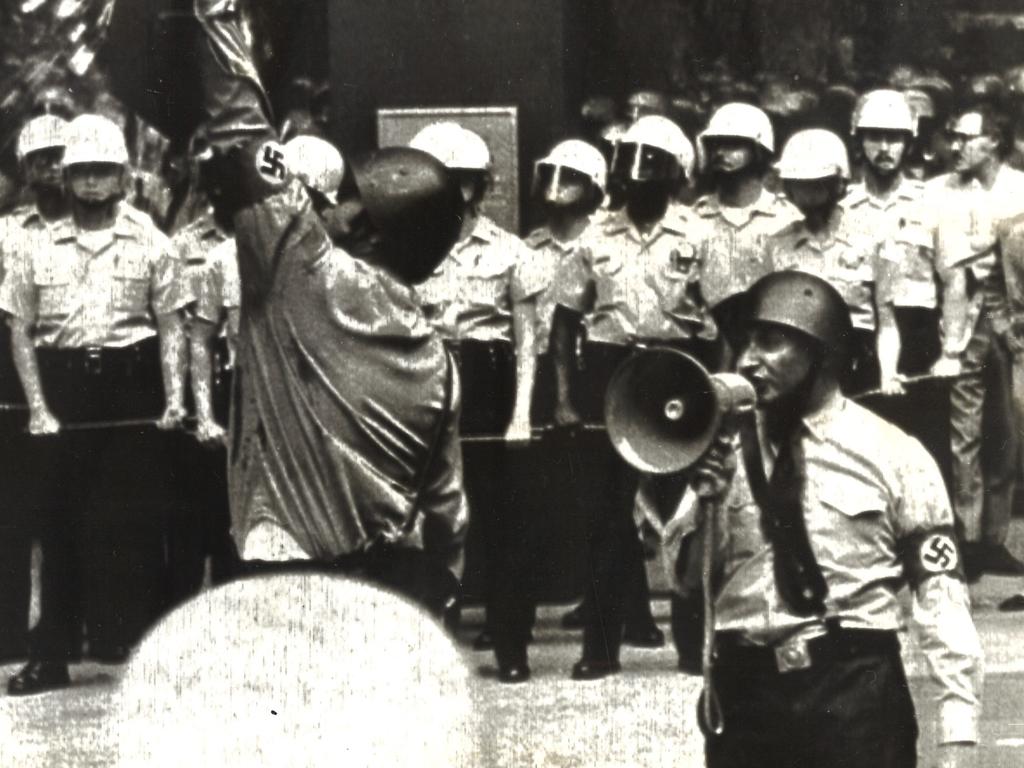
(929, 553)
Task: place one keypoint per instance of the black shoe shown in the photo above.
(644, 637)
(484, 641)
(997, 559)
(586, 669)
(514, 673)
(574, 618)
(1013, 603)
(39, 676)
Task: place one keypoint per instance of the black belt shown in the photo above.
(837, 644)
(101, 361)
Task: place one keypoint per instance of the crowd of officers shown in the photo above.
(121, 344)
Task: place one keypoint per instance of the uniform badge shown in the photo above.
(938, 553)
(270, 164)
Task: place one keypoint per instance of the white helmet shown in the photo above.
(662, 133)
(744, 121)
(94, 139)
(456, 147)
(43, 132)
(921, 104)
(316, 163)
(579, 156)
(884, 109)
(813, 153)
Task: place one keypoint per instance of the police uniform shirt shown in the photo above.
(103, 288)
(13, 226)
(211, 267)
(905, 222)
(877, 518)
(732, 242)
(853, 261)
(550, 256)
(471, 293)
(632, 286)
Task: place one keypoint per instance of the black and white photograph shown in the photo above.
(507, 383)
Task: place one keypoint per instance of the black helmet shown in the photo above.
(803, 302)
(415, 204)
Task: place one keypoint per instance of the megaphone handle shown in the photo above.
(712, 709)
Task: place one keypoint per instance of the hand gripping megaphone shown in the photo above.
(663, 409)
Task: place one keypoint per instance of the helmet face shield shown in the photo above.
(560, 186)
(643, 162)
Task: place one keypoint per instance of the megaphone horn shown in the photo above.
(663, 409)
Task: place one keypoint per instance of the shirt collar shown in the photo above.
(124, 226)
(817, 422)
(710, 206)
(835, 232)
(543, 237)
(905, 192)
(673, 221)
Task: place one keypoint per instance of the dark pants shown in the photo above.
(199, 531)
(487, 378)
(103, 500)
(16, 520)
(851, 710)
(617, 590)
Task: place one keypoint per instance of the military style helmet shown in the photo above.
(94, 139)
(813, 153)
(316, 163)
(578, 156)
(43, 132)
(884, 109)
(415, 204)
(743, 121)
(456, 147)
(659, 133)
(805, 303)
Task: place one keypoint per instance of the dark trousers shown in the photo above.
(617, 590)
(851, 711)
(16, 521)
(199, 530)
(101, 496)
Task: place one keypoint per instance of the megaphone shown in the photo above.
(663, 409)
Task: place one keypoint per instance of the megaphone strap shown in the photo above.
(798, 575)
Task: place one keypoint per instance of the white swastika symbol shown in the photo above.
(938, 554)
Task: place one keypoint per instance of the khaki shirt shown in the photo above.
(551, 256)
(211, 267)
(471, 293)
(853, 261)
(102, 289)
(869, 486)
(732, 242)
(632, 286)
(905, 223)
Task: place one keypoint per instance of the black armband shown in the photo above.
(929, 553)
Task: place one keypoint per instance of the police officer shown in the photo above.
(739, 215)
(969, 203)
(39, 149)
(831, 510)
(98, 338)
(889, 203)
(343, 452)
(199, 532)
(634, 280)
(814, 169)
(481, 301)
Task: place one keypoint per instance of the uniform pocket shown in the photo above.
(131, 293)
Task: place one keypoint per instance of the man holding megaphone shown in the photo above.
(815, 516)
